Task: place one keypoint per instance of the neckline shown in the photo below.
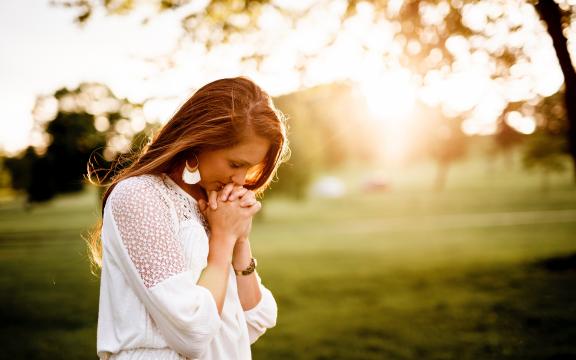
(177, 187)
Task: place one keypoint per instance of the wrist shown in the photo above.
(219, 260)
(248, 269)
(222, 235)
(242, 240)
(242, 255)
(221, 249)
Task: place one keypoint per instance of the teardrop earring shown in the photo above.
(191, 175)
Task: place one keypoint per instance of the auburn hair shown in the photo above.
(219, 115)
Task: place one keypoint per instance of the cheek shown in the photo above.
(215, 171)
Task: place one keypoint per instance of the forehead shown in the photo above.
(253, 150)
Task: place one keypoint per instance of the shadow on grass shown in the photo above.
(534, 312)
(499, 312)
(559, 263)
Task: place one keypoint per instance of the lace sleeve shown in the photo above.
(146, 227)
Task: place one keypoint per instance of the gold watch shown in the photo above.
(249, 270)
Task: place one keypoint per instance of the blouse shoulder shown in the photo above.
(134, 184)
(146, 223)
(140, 191)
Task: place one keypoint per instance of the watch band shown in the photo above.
(249, 270)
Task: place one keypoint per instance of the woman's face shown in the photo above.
(220, 167)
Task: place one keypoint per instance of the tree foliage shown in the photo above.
(546, 150)
(78, 125)
(427, 32)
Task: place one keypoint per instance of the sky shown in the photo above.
(42, 50)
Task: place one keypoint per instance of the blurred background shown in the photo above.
(428, 210)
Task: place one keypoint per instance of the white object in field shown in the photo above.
(328, 187)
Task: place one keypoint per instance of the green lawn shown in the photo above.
(406, 274)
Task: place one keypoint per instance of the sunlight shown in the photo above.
(16, 124)
(390, 96)
(118, 51)
(523, 124)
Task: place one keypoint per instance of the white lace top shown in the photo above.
(155, 244)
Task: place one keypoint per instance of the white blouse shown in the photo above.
(154, 247)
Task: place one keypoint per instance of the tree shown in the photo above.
(557, 22)
(327, 129)
(428, 31)
(440, 138)
(74, 138)
(507, 138)
(546, 153)
(85, 123)
(546, 149)
(32, 174)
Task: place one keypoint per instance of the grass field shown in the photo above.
(405, 274)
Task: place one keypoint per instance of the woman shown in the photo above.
(178, 278)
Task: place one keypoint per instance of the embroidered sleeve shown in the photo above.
(146, 227)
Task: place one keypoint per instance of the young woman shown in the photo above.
(178, 277)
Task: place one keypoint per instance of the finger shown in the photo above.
(237, 193)
(202, 205)
(248, 194)
(255, 208)
(247, 202)
(213, 200)
(225, 192)
(248, 198)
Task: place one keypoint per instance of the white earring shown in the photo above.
(191, 175)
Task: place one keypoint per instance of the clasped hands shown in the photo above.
(230, 211)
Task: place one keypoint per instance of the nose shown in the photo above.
(239, 177)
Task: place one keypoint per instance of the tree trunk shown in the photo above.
(441, 175)
(550, 13)
(545, 182)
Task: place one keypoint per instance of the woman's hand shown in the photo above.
(247, 199)
(232, 192)
(229, 214)
(236, 194)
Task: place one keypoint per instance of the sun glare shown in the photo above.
(364, 49)
(390, 96)
(523, 124)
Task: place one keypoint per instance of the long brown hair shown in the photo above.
(219, 115)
